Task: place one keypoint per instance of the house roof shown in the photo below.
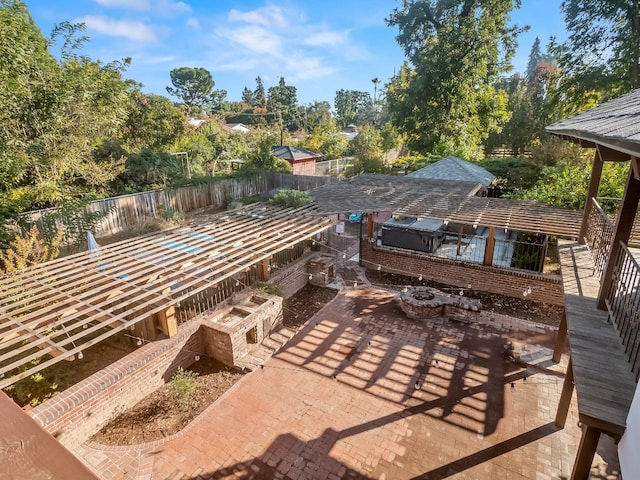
(454, 168)
(294, 154)
(614, 124)
(373, 192)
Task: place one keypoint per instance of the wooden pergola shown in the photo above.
(52, 311)
(448, 200)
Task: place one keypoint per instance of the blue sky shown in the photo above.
(318, 46)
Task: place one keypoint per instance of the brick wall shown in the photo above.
(544, 288)
(293, 277)
(80, 411)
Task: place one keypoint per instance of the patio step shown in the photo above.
(259, 354)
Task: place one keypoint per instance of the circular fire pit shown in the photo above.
(422, 302)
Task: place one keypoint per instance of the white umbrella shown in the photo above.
(92, 244)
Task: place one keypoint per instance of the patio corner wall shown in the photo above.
(512, 283)
(80, 411)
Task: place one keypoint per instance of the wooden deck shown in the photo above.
(604, 383)
(598, 366)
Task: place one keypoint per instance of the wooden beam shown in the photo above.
(592, 193)
(565, 397)
(561, 338)
(586, 451)
(607, 154)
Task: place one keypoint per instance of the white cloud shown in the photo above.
(327, 38)
(193, 23)
(254, 39)
(132, 30)
(131, 4)
(269, 16)
(161, 7)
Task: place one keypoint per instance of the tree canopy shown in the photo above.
(194, 86)
(446, 97)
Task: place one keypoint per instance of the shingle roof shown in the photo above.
(454, 168)
(292, 153)
(614, 124)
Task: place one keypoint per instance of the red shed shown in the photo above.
(303, 162)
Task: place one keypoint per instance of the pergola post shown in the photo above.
(370, 225)
(592, 193)
(168, 322)
(626, 217)
(490, 246)
(263, 270)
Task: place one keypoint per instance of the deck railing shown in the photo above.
(598, 237)
(623, 303)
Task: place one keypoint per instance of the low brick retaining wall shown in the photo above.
(81, 410)
(544, 288)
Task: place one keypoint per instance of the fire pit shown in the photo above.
(421, 303)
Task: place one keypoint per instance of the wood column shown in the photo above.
(489, 247)
(561, 338)
(594, 185)
(263, 270)
(168, 322)
(626, 217)
(459, 239)
(370, 225)
(565, 397)
(586, 451)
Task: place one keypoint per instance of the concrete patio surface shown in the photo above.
(363, 392)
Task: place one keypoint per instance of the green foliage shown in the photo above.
(23, 252)
(153, 122)
(602, 51)
(447, 101)
(183, 383)
(326, 139)
(194, 86)
(270, 288)
(513, 174)
(291, 198)
(74, 219)
(552, 150)
(282, 104)
(353, 107)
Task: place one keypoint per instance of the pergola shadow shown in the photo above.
(451, 371)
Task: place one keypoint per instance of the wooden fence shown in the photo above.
(127, 210)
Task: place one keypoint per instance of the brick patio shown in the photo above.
(363, 392)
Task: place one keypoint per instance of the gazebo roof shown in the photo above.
(614, 125)
(454, 168)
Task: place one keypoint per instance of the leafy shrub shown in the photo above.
(184, 383)
(291, 198)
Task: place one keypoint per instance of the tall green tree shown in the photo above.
(601, 55)
(446, 99)
(282, 103)
(194, 86)
(353, 107)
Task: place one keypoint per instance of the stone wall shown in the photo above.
(509, 282)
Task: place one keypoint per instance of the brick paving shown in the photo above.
(363, 392)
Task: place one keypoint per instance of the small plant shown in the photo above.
(291, 198)
(184, 383)
(271, 289)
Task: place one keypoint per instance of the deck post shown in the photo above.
(594, 185)
(586, 451)
(459, 239)
(565, 397)
(561, 338)
(263, 270)
(626, 217)
(370, 225)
